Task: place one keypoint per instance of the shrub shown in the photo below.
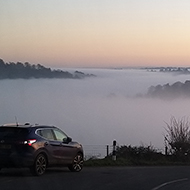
(178, 138)
(146, 153)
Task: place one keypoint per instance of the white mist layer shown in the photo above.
(95, 111)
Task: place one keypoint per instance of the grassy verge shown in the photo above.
(126, 162)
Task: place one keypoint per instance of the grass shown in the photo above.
(127, 162)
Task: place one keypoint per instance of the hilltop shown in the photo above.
(175, 90)
(27, 71)
(175, 70)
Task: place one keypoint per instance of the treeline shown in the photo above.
(166, 91)
(26, 71)
(176, 70)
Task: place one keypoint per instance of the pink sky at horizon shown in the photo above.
(97, 33)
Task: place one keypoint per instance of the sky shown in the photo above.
(96, 33)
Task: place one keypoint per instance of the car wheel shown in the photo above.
(77, 164)
(39, 166)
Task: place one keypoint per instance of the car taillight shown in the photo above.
(30, 142)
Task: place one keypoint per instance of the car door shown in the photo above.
(66, 149)
(51, 145)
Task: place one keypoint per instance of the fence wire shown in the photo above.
(97, 151)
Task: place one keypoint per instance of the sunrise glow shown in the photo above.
(97, 33)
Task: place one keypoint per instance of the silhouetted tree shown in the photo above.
(26, 71)
(178, 137)
(176, 90)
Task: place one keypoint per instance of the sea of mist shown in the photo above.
(96, 110)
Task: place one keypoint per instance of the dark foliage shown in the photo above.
(27, 71)
(138, 154)
(166, 91)
(178, 138)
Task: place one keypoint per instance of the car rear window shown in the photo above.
(13, 132)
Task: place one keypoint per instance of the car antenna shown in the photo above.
(16, 121)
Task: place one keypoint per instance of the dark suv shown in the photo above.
(38, 147)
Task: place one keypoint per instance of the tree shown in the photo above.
(178, 137)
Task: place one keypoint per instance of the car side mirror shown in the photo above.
(67, 140)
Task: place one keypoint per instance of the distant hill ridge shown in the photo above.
(176, 70)
(176, 90)
(27, 71)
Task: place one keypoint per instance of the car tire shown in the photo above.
(39, 166)
(77, 163)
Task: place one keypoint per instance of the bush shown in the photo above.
(178, 138)
(134, 154)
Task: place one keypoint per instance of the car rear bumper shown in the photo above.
(16, 160)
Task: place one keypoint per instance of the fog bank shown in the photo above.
(95, 111)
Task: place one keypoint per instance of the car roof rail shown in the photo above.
(15, 125)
